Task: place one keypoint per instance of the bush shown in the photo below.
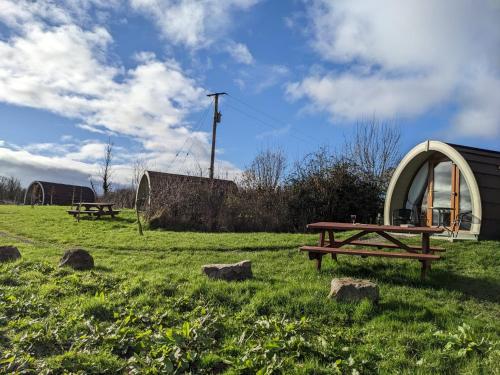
(327, 188)
(187, 205)
(122, 198)
(322, 186)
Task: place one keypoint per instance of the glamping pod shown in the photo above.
(157, 186)
(452, 186)
(42, 192)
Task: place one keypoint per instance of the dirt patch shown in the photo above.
(17, 238)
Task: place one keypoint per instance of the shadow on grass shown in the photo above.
(480, 288)
(108, 219)
(117, 250)
(237, 248)
(405, 311)
(16, 238)
(475, 287)
(262, 248)
(4, 340)
(121, 219)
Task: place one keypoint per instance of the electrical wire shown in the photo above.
(190, 147)
(302, 139)
(271, 117)
(197, 127)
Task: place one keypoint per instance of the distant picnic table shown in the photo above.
(96, 209)
(424, 253)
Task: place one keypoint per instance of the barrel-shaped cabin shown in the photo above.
(155, 188)
(52, 193)
(448, 185)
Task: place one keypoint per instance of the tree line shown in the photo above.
(11, 190)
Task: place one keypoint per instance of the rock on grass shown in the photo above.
(77, 259)
(229, 272)
(9, 253)
(348, 289)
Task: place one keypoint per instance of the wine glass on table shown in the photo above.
(353, 219)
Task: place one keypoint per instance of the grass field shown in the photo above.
(146, 307)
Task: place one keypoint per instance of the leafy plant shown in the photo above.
(465, 342)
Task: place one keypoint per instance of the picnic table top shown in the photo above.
(94, 204)
(373, 227)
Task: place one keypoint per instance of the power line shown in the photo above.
(271, 117)
(309, 141)
(198, 125)
(192, 143)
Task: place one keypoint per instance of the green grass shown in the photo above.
(146, 307)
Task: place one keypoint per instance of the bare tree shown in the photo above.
(105, 171)
(92, 185)
(139, 166)
(374, 149)
(266, 170)
(10, 189)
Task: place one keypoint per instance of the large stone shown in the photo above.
(353, 290)
(77, 259)
(237, 271)
(9, 253)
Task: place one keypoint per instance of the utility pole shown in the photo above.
(217, 119)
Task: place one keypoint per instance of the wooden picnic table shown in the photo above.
(424, 253)
(96, 209)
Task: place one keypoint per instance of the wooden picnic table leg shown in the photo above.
(331, 239)
(322, 239)
(100, 212)
(319, 256)
(426, 265)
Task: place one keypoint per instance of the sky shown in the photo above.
(300, 74)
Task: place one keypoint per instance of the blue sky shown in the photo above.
(299, 75)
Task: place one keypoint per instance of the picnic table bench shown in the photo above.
(424, 253)
(95, 209)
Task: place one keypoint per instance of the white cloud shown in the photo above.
(150, 100)
(405, 58)
(89, 151)
(240, 53)
(29, 166)
(480, 114)
(194, 23)
(351, 96)
(50, 62)
(270, 75)
(76, 163)
(260, 77)
(46, 148)
(16, 13)
(275, 133)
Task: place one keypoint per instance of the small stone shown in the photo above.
(77, 259)
(348, 289)
(9, 253)
(229, 272)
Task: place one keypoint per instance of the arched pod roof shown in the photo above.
(154, 182)
(479, 167)
(59, 194)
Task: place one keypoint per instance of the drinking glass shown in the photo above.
(353, 219)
